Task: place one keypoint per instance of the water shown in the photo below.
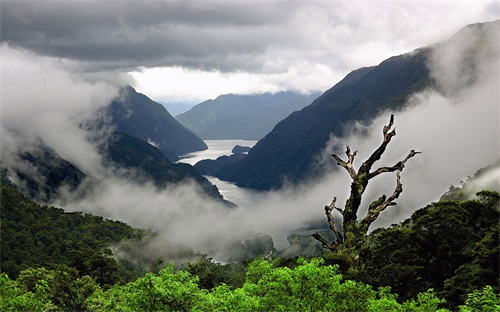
(215, 149)
(243, 197)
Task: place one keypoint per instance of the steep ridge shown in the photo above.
(287, 152)
(137, 115)
(149, 164)
(249, 117)
(43, 175)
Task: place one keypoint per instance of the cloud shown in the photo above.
(42, 100)
(268, 46)
(455, 128)
(230, 36)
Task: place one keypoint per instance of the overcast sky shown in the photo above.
(190, 51)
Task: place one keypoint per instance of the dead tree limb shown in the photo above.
(353, 232)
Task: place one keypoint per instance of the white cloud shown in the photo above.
(42, 100)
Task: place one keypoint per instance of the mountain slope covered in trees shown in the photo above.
(248, 117)
(449, 246)
(289, 151)
(147, 164)
(137, 115)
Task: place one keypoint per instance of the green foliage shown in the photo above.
(311, 286)
(449, 246)
(485, 300)
(211, 274)
(15, 298)
(34, 235)
(165, 291)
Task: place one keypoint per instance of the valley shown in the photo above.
(110, 203)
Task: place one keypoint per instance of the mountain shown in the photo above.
(176, 109)
(137, 115)
(147, 163)
(288, 152)
(248, 117)
(41, 173)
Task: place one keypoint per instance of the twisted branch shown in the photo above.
(347, 164)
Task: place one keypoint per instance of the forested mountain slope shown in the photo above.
(147, 164)
(34, 235)
(249, 117)
(137, 115)
(40, 173)
(288, 150)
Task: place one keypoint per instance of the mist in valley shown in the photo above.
(455, 128)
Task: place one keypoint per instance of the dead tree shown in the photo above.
(354, 232)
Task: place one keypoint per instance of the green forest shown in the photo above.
(444, 257)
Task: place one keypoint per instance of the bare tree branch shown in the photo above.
(375, 156)
(382, 203)
(397, 166)
(324, 242)
(347, 164)
(354, 231)
(331, 222)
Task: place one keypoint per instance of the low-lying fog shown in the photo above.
(456, 130)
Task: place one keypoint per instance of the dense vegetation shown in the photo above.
(40, 173)
(450, 246)
(311, 286)
(444, 256)
(35, 236)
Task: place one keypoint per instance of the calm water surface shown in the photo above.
(242, 197)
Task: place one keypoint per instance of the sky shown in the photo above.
(191, 51)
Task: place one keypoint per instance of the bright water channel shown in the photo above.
(243, 197)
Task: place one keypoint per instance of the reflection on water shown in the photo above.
(215, 149)
(243, 197)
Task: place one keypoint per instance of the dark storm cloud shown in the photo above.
(118, 34)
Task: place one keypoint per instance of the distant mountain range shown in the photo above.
(249, 117)
(137, 115)
(287, 152)
(176, 109)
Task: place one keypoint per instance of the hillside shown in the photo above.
(146, 163)
(289, 152)
(248, 117)
(40, 173)
(137, 115)
(43, 175)
(34, 235)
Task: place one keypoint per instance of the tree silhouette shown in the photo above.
(354, 232)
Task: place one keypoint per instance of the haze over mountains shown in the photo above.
(139, 116)
(248, 117)
(446, 103)
(290, 152)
